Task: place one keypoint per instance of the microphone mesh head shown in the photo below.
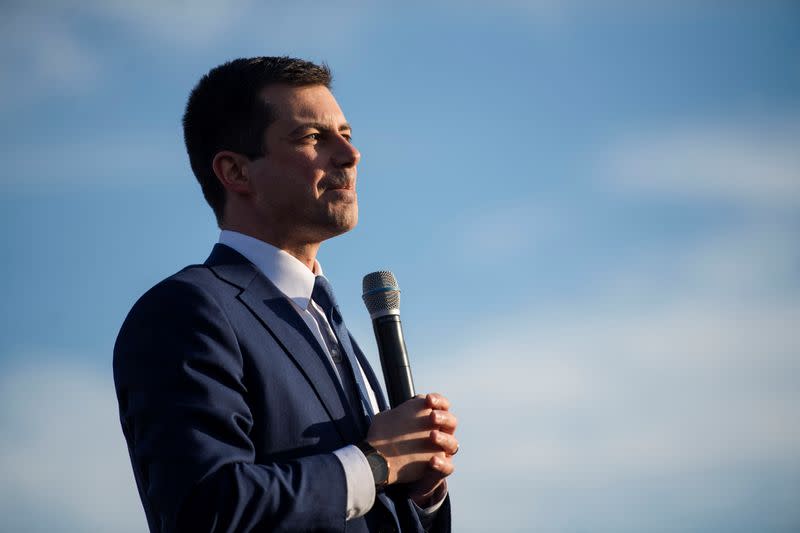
(381, 293)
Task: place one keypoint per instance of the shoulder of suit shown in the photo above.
(192, 284)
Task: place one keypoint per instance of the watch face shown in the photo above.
(380, 470)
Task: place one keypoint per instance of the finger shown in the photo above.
(437, 401)
(445, 441)
(419, 399)
(443, 465)
(416, 403)
(444, 420)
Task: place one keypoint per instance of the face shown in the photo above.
(304, 188)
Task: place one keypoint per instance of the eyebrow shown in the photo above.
(319, 126)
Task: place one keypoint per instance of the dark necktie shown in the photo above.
(347, 365)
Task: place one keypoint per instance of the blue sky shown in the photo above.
(592, 209)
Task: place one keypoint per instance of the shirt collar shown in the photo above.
(291, 276)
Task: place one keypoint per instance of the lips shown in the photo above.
(339, 184)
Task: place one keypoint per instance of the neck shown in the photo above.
(305, 252)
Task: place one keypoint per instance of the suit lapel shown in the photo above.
(277, 315)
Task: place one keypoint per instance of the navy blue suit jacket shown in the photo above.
(231, 410)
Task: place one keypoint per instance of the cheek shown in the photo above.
(308, 174)
(292, 174)
(304, 165)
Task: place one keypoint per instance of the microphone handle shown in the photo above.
(394, 359)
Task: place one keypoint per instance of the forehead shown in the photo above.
(300, 104)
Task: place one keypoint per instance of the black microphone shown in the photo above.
(382, 298)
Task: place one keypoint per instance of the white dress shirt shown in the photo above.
(296, 282)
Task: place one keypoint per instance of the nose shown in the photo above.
(346, 154)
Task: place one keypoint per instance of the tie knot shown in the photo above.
(323, 295)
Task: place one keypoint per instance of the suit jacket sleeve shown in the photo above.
(180, 384)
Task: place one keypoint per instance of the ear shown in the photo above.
(230, 169)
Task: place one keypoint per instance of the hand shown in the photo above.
(432, 487)
(416, 438)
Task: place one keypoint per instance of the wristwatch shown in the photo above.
(377, 463)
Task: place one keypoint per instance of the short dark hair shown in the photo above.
(225, 111)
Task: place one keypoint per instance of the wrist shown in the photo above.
(381, 472)
(431, 497)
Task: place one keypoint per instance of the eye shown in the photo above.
(313, 137)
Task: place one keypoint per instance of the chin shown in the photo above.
(336, 223)
(345, 224)
(345, 217)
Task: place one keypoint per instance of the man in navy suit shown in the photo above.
(245, 403)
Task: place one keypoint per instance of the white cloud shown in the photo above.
(179, 22)
(688, 391)
(59, 59)
(127, 158)
(510, 232)
(62, 452)
(41, 54)
(566, 406)
(52, 46)
(742, 265)
(749, 163)
(46, 48)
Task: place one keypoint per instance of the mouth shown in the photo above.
(340, 185)
(340, 192)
